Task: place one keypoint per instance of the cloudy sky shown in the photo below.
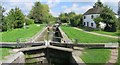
(58, 6)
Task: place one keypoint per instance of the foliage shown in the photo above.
(14, 19)
(29, 21)
(72, 18)
(97, 21)
(2, 19)
(64, 18)
(85, 37)
(108, 17)
(118, 24)
(40, 13)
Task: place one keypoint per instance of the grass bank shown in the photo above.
(108, 33)
(83, 37)
(4, 52)
(23, 34)
(95, 56)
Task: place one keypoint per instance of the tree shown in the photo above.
(118, 24)
(108, 17)
(3, 26)
(39, 13)
(72, 18)
(63, 17)
(15, 19)
(97, 21)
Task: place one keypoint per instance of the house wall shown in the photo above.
(88, 20)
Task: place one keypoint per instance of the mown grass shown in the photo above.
(95, 56)
(4, 52)
(11, 36)
(83, 37)
(108, 33)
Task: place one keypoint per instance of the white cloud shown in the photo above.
(78, 9)
(53, 3)
(55, 14)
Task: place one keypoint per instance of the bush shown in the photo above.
(90, 29)
(29, 21)
(4, 27)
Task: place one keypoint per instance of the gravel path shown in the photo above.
(113, 57)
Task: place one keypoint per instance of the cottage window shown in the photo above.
(84, 17)
(92, 16)
(84, 23)
(88, 24)
(92, 24)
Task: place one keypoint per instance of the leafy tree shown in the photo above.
(118, 23)
(72, 18)
(108, 17)
(97, 21)
(64, 17)
(40, 13)
(15, 18)
(3, 26)
(28, 21)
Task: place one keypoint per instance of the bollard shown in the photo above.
(76, 41)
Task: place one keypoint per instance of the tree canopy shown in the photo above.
(1, 16)
(72, 18)
(14, 19)
(40, 13)
(107, 16)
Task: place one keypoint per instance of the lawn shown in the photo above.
(4, 52)
(108, 33)
(95, 56)
(83, 37)
(23, 34)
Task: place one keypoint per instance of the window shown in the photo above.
(92, 24)
(92, 16)
(84, 23)
(84, 17)
(88, 24)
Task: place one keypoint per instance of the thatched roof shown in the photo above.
(95, 10)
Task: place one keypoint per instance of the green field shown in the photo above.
(4, 52)
(108, 33)
(83, 37)
(95, 56)
(23, 34)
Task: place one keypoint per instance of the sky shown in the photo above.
(57, 6)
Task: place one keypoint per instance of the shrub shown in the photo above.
(29, 21)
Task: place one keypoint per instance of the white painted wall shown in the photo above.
(90, 20)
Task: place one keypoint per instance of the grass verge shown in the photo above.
(83, 37)
(95, 56)
(23, 34)
(108, 33)
(4, 52)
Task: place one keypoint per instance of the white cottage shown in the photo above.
(91, 14)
